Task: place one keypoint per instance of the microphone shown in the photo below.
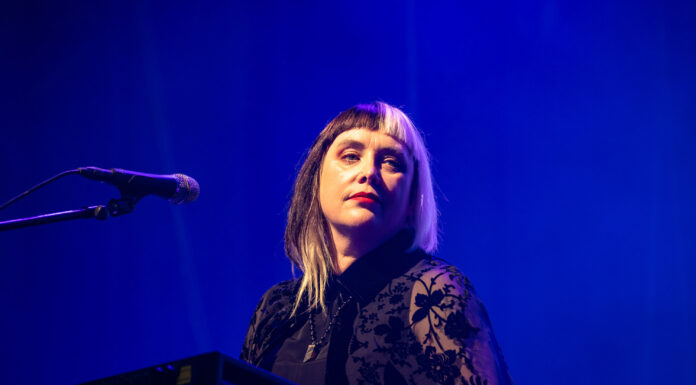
(177, 188)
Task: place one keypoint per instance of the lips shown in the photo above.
(365, 197)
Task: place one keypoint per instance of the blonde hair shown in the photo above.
(308, 241)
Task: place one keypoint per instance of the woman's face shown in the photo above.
(365, 184)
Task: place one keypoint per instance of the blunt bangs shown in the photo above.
(308, 242)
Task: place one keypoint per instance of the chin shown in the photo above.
(370, 224)
(363, 223)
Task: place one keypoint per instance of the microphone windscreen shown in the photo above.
(187, 190)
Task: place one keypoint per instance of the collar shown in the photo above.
(372, 272)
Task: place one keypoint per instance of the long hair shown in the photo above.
(308, 240)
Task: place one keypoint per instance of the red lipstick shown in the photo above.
(365, 197)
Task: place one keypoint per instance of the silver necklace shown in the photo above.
(313, 348)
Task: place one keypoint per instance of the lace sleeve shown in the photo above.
(250, 342)
(273, 308)
(454, 330)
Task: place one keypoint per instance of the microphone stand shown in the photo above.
(115, 207)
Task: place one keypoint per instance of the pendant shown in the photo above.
(310, 354)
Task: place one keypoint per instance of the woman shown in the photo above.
(372, 306)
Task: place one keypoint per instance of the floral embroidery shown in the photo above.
(369, 373)
(445, 295)
(392, 331)
(426, 303)
(432, 298)
(458, 326)
(439, 367)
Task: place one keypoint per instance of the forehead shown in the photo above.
(368, 139)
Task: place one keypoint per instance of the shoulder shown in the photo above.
(284, 288)
(273, 307)
(441, 270)
(442, 294)
(278, 298)
(449, 320)
(437, 276)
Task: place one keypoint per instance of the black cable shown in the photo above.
(38, 186)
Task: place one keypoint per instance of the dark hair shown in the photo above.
(308, 241)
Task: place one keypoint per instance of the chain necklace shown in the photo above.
(313, 348)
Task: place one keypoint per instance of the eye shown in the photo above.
(394, 164)
(350, 157)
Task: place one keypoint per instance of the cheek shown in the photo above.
(324, 185)
(329, 188)
(400, 189)
(333, 178)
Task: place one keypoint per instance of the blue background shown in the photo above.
(562, 136)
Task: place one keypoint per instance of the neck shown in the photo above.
(348, 251)
(349, 248)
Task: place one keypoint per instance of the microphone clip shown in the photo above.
(121, 206)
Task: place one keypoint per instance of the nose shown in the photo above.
(368, 172)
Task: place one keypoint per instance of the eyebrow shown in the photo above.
(352, 143)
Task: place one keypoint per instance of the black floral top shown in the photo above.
(412, 319)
